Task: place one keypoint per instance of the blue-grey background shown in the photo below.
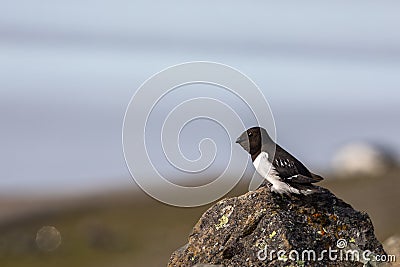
(330, 71)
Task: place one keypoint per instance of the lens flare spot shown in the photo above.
(48, 238)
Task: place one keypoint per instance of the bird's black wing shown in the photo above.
(291, 170)
(301, 179)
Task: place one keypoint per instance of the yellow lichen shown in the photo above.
(283, 258)
(300, 263)
(271, 235)
(222, 222)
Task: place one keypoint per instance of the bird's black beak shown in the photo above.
(239, 140)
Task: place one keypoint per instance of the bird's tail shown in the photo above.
(316, 178)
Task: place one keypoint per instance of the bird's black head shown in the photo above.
(252, 139)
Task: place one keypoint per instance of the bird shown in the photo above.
(286, 173)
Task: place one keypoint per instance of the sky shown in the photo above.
(68, 69)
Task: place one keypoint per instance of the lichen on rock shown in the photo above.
(261, 228)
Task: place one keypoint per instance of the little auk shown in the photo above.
(286, 174)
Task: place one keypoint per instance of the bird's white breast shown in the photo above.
(262, 164)
(264, 167)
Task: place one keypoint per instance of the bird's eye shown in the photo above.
(250, 133)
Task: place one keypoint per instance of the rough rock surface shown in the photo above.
(249, 230)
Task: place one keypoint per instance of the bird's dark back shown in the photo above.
(287, 165)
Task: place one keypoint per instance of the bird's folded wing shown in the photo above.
(301, 179)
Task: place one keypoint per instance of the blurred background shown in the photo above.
(68, 69)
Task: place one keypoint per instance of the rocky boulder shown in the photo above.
(261, 228)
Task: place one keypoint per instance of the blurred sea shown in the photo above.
(68, 70)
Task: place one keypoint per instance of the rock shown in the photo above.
(360, 158)
(207, 265)
(249, 230)
(392, 247)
